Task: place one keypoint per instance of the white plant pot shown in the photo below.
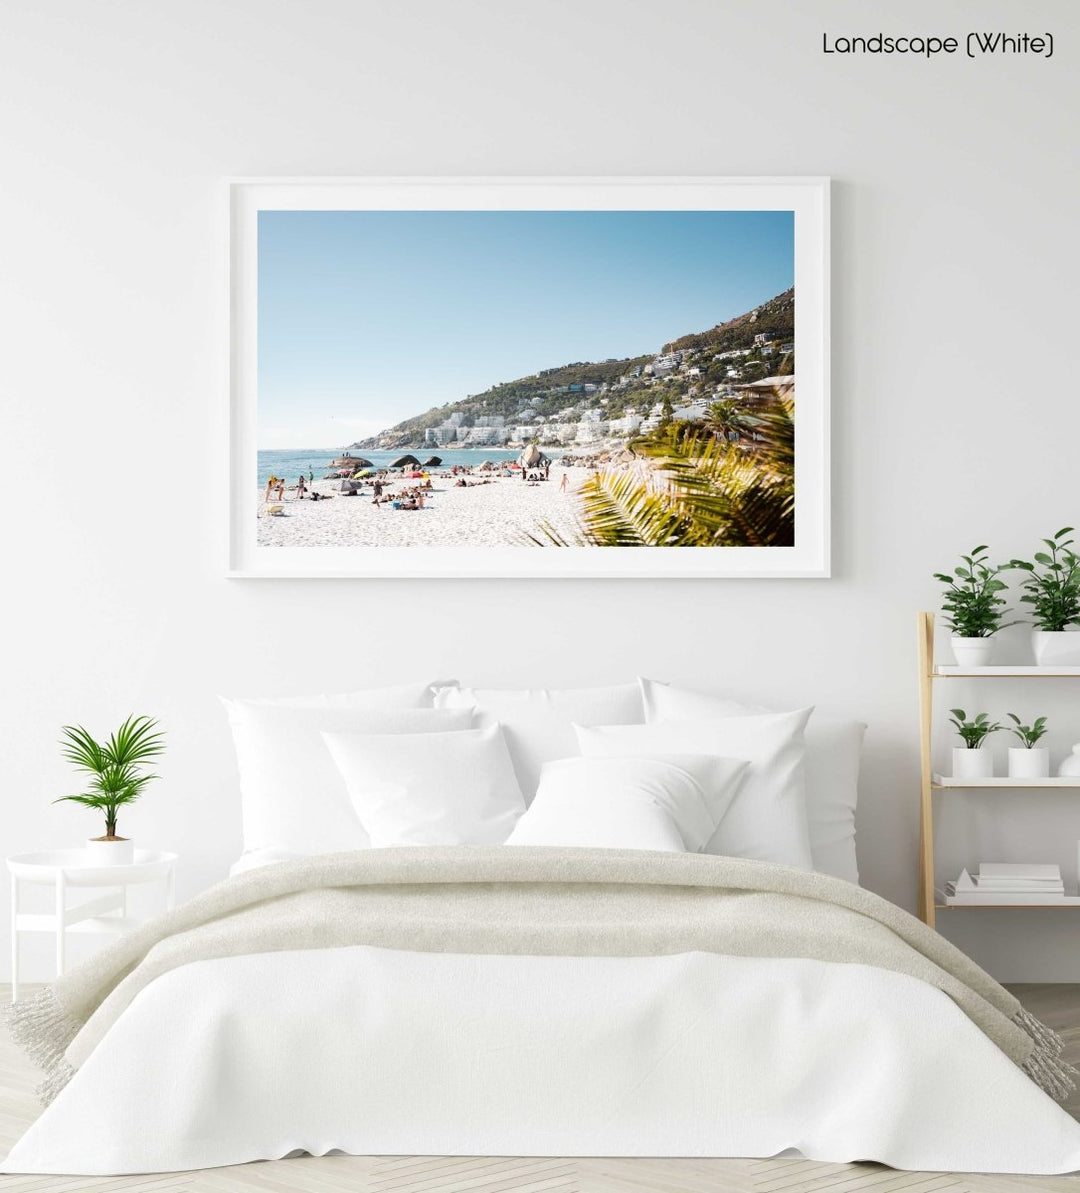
(972, 764)
(1029, 764)
(1056, 648)
(972, 652)
(120, 852)
(1070, 765)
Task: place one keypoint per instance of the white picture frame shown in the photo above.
(806, 197)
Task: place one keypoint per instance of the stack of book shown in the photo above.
(1007, 882)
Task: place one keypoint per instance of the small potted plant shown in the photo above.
(117, 778)
(1029, 760)
(973, 607)
(970, 761)
(1052, 589)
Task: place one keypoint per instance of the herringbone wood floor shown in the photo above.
(1057, 1005)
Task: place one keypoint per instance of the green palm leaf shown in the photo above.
(695, 490)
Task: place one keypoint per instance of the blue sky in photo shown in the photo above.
(366, 318)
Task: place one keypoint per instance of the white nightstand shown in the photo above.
(64, 869)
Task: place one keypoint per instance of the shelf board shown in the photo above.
(1069, 903)
(950, 671)
(943, 781)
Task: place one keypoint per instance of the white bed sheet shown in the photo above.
(375, 1051)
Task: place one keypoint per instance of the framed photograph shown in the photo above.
(529, 377)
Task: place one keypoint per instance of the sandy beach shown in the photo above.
(496, 514)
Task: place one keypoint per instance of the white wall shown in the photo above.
(956, 418)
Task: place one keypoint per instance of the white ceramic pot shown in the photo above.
(117, 852)
(1070, 764)
(972, 652)
(1029, 764)
(972, 764)
(1056, 648)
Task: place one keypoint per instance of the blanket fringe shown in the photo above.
(43, 1030)
(1046, 1065)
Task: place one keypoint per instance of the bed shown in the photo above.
(565, 947)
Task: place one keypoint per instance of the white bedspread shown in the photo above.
(374, 1051)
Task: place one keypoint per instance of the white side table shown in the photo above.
(64, 869)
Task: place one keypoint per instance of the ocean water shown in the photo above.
(290, 462)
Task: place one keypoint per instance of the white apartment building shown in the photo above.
(490, 420)
(626, 425)
(591, 430)
(484, 436)
(447, 433)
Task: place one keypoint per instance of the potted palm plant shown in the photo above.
(1029, 760)
(1052, 589)
(973, 607)
(969, 760)
(117, 778)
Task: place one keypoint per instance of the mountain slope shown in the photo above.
(701, 363)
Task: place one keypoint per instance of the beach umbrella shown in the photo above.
(406, 462)
(530, 457)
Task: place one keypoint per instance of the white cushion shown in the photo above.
(292, 796)
(833, 751)
(672, 803)
(767, 818)
(430, 788)
(539, 722)
(255, 859)
(405, 695)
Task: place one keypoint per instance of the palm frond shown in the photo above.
(134, 742)
(80, 749)
(698, 491)
(89, 801)
(623, 510)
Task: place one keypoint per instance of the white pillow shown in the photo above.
(833, 750)
(292, 796)
(405, 695)
(539, 722)
(767, 818)
(430, 788)
(672, 803)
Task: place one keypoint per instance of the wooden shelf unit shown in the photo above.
(929, 672)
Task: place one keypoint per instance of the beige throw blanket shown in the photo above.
(526, 901)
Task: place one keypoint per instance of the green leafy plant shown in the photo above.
(974, 732)
(1028, 734)
(1052, 586)
(973, 603)
(690, 489)
(115, 767)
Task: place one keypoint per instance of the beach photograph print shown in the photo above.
(533, 384)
